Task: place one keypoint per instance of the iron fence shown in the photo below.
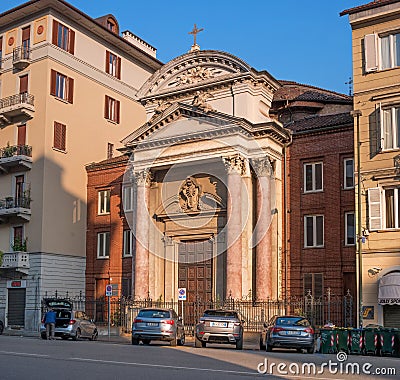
(328, 308)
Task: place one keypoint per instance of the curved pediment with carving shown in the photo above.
(192, 69)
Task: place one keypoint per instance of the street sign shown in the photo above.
(109, 290)
(182, 294)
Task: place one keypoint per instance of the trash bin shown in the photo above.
(388, 341)
(328, 341)
(343, 340)
(371, 337)
(396, 342)
(356, 341)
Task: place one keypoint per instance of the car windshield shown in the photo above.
(292, 321)
(153, 314)
(219, 313)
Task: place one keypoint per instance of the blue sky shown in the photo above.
(305, 41)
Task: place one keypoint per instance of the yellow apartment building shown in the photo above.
(68, 87)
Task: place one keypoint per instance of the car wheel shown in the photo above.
(268, 347)
(310, 350)
(262, 345)
(43, 336)
(1, 327)
(239, 344)
(135, 341)
(95, 335)
(77, 335)
(181, 341)
(203, 344)
(146, 341)
(299, 350)
(197, 342)
(173, 342)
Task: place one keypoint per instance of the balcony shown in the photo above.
(18, 261)
(15, 210)
(16, 158)
(16, 108)
(21, 57)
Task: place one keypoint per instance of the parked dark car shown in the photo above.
(74, 324)
(288, 331)
(219, 326)
(1, 327)
(158, 324)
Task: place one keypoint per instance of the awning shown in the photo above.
(389, 289)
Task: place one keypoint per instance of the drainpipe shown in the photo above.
(233, 101)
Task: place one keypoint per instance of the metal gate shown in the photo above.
(16, 307)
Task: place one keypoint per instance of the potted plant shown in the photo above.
(9, 150)
(19, 245)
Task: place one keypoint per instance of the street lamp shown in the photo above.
(356, 114)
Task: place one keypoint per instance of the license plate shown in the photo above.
(292, 332)
(218, 324)
(152, 324)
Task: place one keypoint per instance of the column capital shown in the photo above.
(262, 167)
(235, 164)
(143, 177)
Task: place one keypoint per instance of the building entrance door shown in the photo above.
(16, 307)
(195, 269)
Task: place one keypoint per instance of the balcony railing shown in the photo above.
(21, 57)
(15, 209)
(15, 156)
(16, 108)
(16, 260)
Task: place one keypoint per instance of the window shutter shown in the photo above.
(119, 68)
(117, 110)
(55, 32)
(106, 112)
(107, 62)
(378, 128)
(70, 90)
(370, 53)
(71, 42)
(57, 135)
(374, 207)
(53, 82)
(63, 137)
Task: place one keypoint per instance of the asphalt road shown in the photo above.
(32, 358)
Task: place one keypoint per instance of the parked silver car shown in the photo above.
(287, 331)
(1, 327)
(158, 324)
(219, 326)
(70, 323)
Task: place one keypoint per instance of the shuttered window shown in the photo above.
(60, 135)
(113, 65)
(313, 283)
(63, 37)
(111, 109)
(62, 86)
(374, 207)
(370, 53)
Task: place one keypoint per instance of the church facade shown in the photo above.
(202, 188)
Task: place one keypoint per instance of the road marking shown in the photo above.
(23, 354)
(168, 366)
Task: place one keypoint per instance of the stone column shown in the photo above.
(263, 228)
(235, 166)
(141, 262)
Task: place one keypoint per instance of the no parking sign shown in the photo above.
(182, 294)
(109, 290)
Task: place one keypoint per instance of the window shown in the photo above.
(111, 25)
(60, 136)
(350, 228)
(390, 51)
(392, 207)
(313, 177)
(314, 283)
(113, 65)
(1, 52)
(348, 173)
(110, 150)
(103, 202)
(26, 42)
(127, 197)
(126, 289)
(390, 127)
(61, 86)
(63, 37)
(103, 245)
(313, 231)
(111, 109)
(128, 242)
